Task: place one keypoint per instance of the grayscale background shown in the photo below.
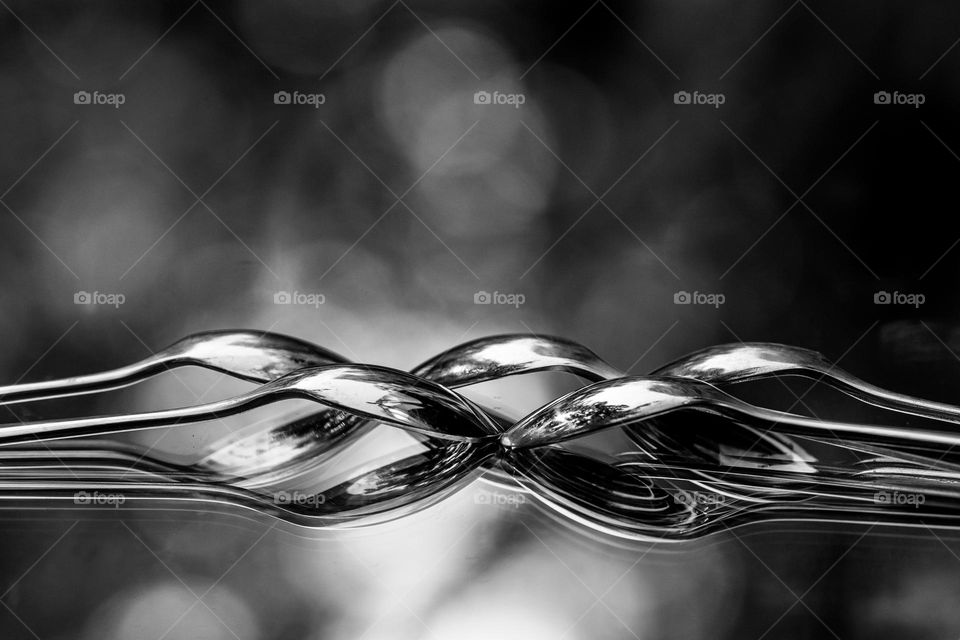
(583, 167)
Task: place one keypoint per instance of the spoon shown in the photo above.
(248, 355)
(376, 393)
(262, 357)
(320, 435)
(636, 499)
(632, 400)
(470, 363)
(371, 393)
(650, 501)
(514, 354)
(390, 490)
(499, 356)
(733, 363)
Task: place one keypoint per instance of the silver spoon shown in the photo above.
(251, 355)
(632, 400)
(514, 354)
(325, 432)
(263, 356)
(371, 393)
(652, 501)
(639, 500)
(390, 490)
(248, 355)
(376, 393)
(611, 498)
(734, 363)
(499, 356)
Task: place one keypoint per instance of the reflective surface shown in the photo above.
(733, 363)
(505, 355)
(257, 356)
(695, 460)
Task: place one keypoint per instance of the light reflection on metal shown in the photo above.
(697, 460)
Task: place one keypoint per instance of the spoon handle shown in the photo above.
(374, 393)
(793, 424)
(890, 400)
(78, 385)
(103, 425)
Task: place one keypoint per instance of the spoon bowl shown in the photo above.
(734, 363)
(249, 355)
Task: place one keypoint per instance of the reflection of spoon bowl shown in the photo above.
(703, 460)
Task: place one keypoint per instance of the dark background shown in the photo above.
(598, 199)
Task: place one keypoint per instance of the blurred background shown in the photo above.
(388, 179)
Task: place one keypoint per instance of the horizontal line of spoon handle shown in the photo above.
(78, 385)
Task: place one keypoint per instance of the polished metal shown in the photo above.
(695, 460)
